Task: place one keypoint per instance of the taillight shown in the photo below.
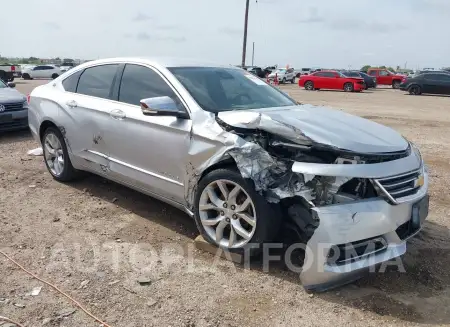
(28, 98)
(13, 68)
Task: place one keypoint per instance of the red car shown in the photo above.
(385, 77)
(331, 79)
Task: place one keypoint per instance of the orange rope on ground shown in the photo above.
(56, 289)
(10, 321)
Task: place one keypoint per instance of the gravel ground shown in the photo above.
(97, 240)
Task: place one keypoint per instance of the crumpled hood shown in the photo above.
(8, 95)
(305, 123)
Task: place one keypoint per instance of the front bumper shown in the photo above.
(13, 120)
(373, 221)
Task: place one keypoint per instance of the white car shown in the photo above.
(41, 71)
(65, 66)
(284, 75)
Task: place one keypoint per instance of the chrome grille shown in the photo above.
(399, 186)
(12, 106)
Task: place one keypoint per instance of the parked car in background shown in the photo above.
(41, 71)
(331, 79)
(13, 108)
(245, 159)
(270, 69)
(258, 71)
(65, 66)
(284, 75)
(431, 82)
(385, 77)
(8, 72)
(369, 81)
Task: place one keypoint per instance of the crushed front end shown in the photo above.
(353, 210)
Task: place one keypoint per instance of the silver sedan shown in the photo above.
(241, 157)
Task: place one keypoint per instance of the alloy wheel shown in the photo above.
(227, 213)
(53, 154)
(309, 86)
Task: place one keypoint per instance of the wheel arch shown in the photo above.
(227, 163)
(46, 124)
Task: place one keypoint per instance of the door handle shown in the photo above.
(117, 114)
(72, 103)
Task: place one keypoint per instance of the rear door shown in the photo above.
(85, 114)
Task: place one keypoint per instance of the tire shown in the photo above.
(55, 76)
(309, 85)
(293, 80)
(26, 76)
(415, 90)
(265, 218)
(348, 87)
(66, 173)
(283, 81)
(396, 84)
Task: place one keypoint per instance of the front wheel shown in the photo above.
(348, 87)
(229, 213)
(26, 76)
(56, 156)
(55, 76)
(415, 90)
(284, 80)
(293, 80)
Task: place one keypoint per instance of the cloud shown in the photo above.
(167, 27)
(230, 30)
(140, 17)
(312, 17)
(51, 26)
(355, 25)
(144, 36)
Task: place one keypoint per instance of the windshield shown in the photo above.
(342, 75)
(224, 89)
(281, 70)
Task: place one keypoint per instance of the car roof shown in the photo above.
(162, 62)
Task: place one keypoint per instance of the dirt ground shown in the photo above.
(96, 240)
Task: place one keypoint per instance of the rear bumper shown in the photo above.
(18, 121)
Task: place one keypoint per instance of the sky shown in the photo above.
(319, 33)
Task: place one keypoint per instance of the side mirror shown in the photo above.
(11, 84)
(161, 106)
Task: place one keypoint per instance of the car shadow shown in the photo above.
(138, 203)
(15, 136)
(404, 291)
(434, 95)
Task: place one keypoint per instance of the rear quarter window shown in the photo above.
(70, 83)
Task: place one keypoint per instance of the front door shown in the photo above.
(384, 77)
(147, 151)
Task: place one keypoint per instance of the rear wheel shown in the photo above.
(284, 80)
(309, 85)
(26, 76)
(229, 213)
(415, 90)
(56, 156)
(293, 80)
(396, 84)
(55, 76)
(348, 87)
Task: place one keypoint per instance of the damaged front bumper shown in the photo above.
(354, 237)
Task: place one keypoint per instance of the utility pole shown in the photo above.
(244, 45)
(253, 54)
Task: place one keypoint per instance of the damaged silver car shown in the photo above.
(241, 157)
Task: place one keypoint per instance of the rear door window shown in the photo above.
(97, 81)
